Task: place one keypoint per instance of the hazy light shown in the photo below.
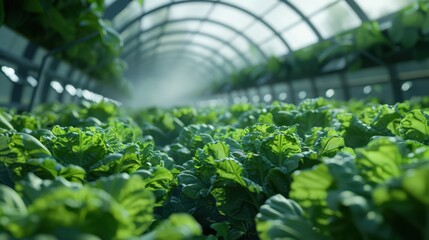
(78, 92)
(330, 93)
(244, 99)
(367, 89)
(268, 97)
(256, 99)
(10, 73)
(302, 94)
(406, 86)
(282, 96)
(237, 100)
(32, 81)
(57, 86)
(71, 89)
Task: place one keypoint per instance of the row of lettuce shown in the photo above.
(405, 39)
(318, 170)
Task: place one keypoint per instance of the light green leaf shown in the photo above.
(179, 226)
(415, 126)
(230, 169)
(131, 194)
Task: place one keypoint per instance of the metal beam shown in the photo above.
(181, 32)
(113, 10)
(200, 57)
(304, 18)
(227, 4)
(251, 42)
(358, 10)
(143, 51)
(166, 59)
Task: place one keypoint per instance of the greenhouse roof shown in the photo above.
(225, 35)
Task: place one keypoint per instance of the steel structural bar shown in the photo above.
(251, 42)
(202, 68)
(180, 32)
(51, 53)
(358, 10)
(211, 49)
(256, 17)
(197, 55)
(113, 10)
(304, 18)
(190, 54)
(180, 43)
(175, 54)
(22, 62)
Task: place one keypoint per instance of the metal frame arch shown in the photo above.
(256, 17)
(304, 18)
(198, 55)
(203, 68)
(358, 10)
(180, 32)
(250, 41)
(213, 51)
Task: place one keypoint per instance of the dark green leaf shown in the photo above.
(281, 218)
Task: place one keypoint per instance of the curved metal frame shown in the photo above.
(180, 32)
(251, 42)
(358, 10)
(256, 17)
(180, 43)
(203, 68)
(196, 54)
(304, 18)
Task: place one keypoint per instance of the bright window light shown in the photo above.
(57, 86)
(302, 94)
(268, 97)
(282, 96)
(330, 93)
(367, 89)
(406, 86)
(10, 73)
(256, 99)
(32, 81)
(71, 89)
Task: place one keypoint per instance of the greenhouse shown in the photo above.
(214, 119)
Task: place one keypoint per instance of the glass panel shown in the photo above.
(414, 88)
(241, 44)
(219, 30)
(256, 6)
(154, 19)
(310, 6)
(206, 41)
(199, 10)
(129, 32)
(300, 36)
(131, 11)
(338, 18)
(107, 3)
(178, 26)
(201, 51)
(258, 32)
(228, 52)
(145, 36)
(274, 47)
(152, 4)
(231, 16)
(281, 17)
(63, 69)
(174, 38)
(169, 48)
(379, 8)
